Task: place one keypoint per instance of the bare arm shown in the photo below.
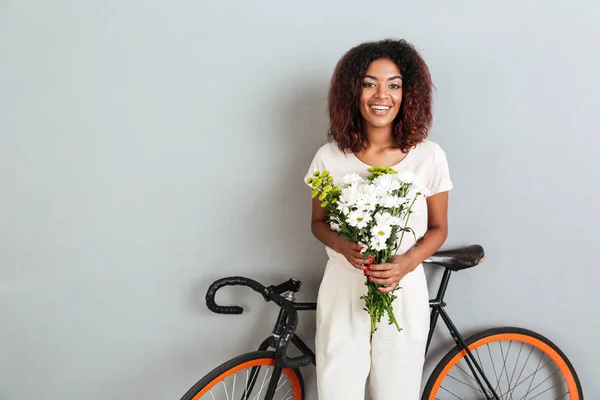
(320, 228)
(437, 229)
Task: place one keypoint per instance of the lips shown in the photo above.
(380, 109)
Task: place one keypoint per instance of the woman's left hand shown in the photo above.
(390, 274)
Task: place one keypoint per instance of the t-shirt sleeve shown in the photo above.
(317, 164)
(439, 180)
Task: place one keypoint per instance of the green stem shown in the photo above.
(390, 312)
(406, 218)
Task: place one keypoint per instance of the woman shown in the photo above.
(380, 113)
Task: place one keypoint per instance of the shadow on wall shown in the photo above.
(280, 217)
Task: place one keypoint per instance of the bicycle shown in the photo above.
(468, 371)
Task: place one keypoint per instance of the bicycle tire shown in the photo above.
(497, 335)
(245, 361)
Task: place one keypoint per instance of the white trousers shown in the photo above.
(346, 352)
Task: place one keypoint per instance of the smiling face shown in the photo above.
(381, 94)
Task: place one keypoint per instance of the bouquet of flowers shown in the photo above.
(373, 212)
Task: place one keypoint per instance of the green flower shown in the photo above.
(378, 171)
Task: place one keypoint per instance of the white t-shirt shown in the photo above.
(427, 161)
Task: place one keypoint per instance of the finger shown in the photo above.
(356, 246)
(368, 260)
(387, 289)
(381, 267)
(383, 281)
(381, 274)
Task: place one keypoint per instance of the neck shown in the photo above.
(379, 138)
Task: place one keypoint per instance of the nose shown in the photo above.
(382, 91)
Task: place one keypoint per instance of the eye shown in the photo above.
(368, 84)
(394, 86)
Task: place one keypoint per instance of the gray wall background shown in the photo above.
(150, 147)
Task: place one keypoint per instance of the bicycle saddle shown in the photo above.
(458, 259)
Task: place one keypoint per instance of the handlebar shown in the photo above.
(271, 293)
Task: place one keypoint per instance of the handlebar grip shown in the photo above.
(286, 336)
(230, 281)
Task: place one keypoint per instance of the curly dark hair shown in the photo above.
(413, 121)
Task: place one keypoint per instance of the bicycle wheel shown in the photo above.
(248, 376)
(519, 364)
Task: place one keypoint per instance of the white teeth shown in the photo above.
(382, 108)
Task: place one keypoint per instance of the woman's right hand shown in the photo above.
(351, 251)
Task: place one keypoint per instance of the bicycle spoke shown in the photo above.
(211, 394)
(233, 389)
(279, 387)
(527, 377)
(466, 373)
(503, 364)
(480, 363)
(247, 387)
(225, 387)
(493, 365)
(558, 398)
(466, 384)
(532, 379)
(286, 393)
(542, 392)
(515, 370)
(521, 373)
(263, 385)
(529, 391)
(253, 377)
(478, 358)
(441, 387)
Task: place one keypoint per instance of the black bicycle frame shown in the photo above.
(437, 308)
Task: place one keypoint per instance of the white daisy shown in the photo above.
(351, 179)
(378, 244)
(359, 219)
(407, 177)
(387, 182)
(381, 231)
(392, 201)
(344, 205)
(385, 218)
(350, 195)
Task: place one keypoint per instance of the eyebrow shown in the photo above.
(389, 79)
